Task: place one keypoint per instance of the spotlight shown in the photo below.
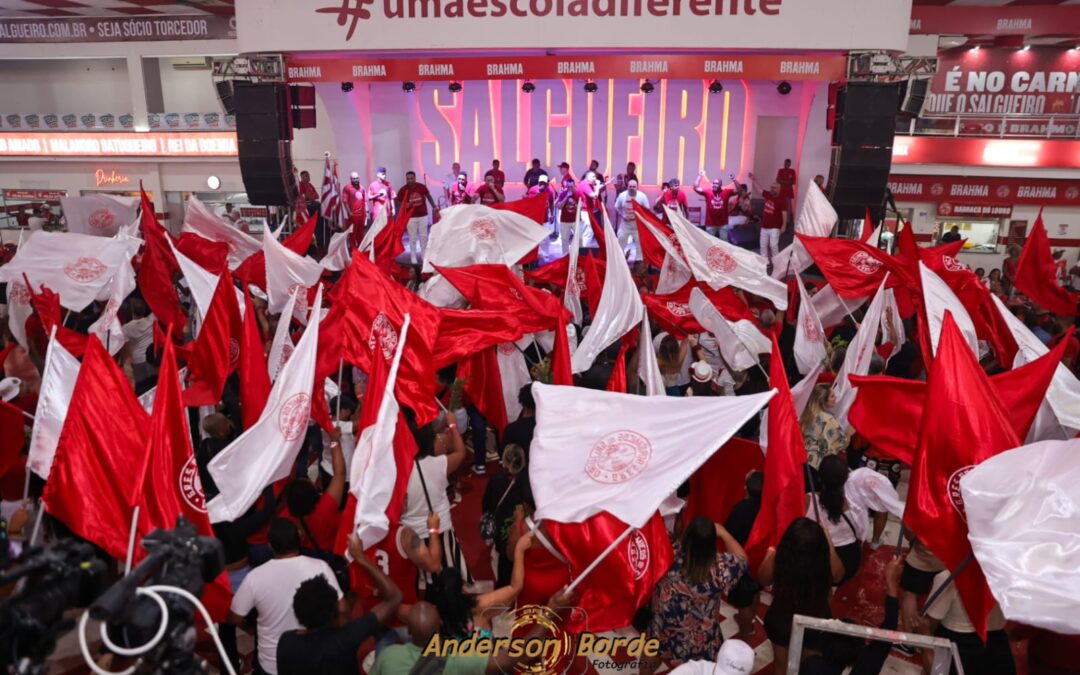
(408, 87)
(455, 87)
(784, 88)
(590, 87)
(346, 87)
(528, 87)
(715, 87)
(647, 87)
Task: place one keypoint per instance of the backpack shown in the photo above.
(338, 565)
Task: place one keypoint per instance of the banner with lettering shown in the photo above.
(119, 144)
(115, 121)
(962, 193)
(320, 25)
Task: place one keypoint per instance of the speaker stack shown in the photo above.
(264, 134)
(862, 148)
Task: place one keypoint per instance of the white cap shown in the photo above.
(543, 178)
(735, 658)
(701, 371)
(9, 388)
(354, 175)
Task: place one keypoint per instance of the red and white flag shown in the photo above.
(337, 253)
(674, 272)
(201, 283)
(19, 309)
(286, 271)
(619, 310)
(266, 451)
(809, 335)
(378, 224)
(599, 451)
(740, 341)
(200, 220)
(648, 367)
(514, 374)
(938, 299)
(472, 233)
(719, 263)
(817, 217)
(575, 279)
(281, 347)
(99, 215)
(57, 384)
(108, 327)
(330, 197)
(831, 308)
(857, 359)
(1021, 510)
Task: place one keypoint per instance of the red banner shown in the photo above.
(1036, 81)
(35, 195)
(986, 152)
(1043, 19)
(134, 144)
(656, 66)
(957, 191)
(948, 209)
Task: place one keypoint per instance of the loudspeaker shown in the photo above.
(225, 95)
(862, 147)
(262, 111)
(302, 95)
(267, 170)
(913, 98)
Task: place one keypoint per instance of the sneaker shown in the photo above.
(904, 650)
(479, 470)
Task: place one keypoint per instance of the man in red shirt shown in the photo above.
(458, 193)
(716, 205)
(774, 220)
(381, 194)
(400, 553)
(415, 196)
(307, 190)
(489, 193)
(672, 197)
(317, 516)
(353, 200)
(786, 178)
(496, 173)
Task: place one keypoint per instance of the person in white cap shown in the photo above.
(734, 658)
(702, 380)
(380, 194)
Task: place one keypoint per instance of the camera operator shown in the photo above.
(322, 647)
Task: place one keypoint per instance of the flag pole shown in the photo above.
(37, 523)
(900, 540)
(941, 589)
(813, 492)
(341, 388)
(607, 551)
(131, 540)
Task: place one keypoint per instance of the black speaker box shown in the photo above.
(267, 170)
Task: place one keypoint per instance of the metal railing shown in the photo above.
(1058, 126)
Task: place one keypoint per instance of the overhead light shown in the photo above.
(213, 182)
(346, 87)
(590, 87)
(455, 87)
(715, 87)
(528, 87)
(647, 87)
(408, 87)
(784, 88)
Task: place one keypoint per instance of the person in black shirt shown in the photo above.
(951, 236)
(744, 596)
(320, 647)
(506, 491)
(532, 176)
(520, 431)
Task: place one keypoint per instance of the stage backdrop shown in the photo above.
(673, 132)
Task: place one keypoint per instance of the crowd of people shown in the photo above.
(311, 612)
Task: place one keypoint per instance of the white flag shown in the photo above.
(99, 215)
(673, 271)
(1021, 508)
(337, 253)
(200, 220)
(202, 283)
(892, 326)
(441, 293)
(800, 393)
(287, 270)
(374, 470)
(619, 310)
(57, 382)
(473, 234)
(514, 374)
(938, 298)
(831, 309)
(648, 368)
(1063, 395)
(19, 309)
(108, 327)
(719, 263)
(575, 278)
(281, 347)
(367, 244)
(265, 452)
(857, 359)
(739, 342)
(817, 217)
(600, 451)
(809, 335)
(78, 267)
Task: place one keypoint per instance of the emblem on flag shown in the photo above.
(293, 418)
(101, 219)
(85, 269)
(191, 486)
(483, 228)
(864, 262)
(953, 488)
(637, 553)
(720, 260)
(618, 457)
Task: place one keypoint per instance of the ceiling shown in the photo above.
(112, 8)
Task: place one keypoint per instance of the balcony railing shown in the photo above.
(1064, 127)
(165, 121)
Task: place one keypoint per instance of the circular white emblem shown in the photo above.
(191, 486)
(18, 294)
(719, 260)
(865, 263)
(937, 189)
(293, 416)
(301, 304)
(1003, 191)
(483, 228)
(286, 352)
(577, 284)
(952, 264)
(384, 335)
(637, 553)
(84, 270)
(953, 489)
(507, 348)
(810, 329)
(102, 219)
(677, 308)
(618, 457)
(945, 208)
(1072, 192)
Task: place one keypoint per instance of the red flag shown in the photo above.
(388, 242)
(1036, 274)
(963, 424)
(720, 483)
(852, 268)
(464, 332)
(497, 288)
(867, 228)
(169, 480)
(254, 376)
(590, 277)
(93, 483)
(782, 495)
(158, 268)
(672, 310)
(624, 580)
(483, 384)
(217, 348)
(617, 381)
(12, 438)
(560, 353)
(1021, 390)
(47, 305)
(652, 250)
(253, 269)
(328, 360)
(212, 256)
(534, 207)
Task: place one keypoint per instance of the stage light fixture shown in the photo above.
(346, 87)
(408, 87)
(715, 87)
(784, 88)
(528, 87)
(591, 87)
(455, 87)
(647, 87)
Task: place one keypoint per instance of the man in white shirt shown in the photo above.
(269, 589)
(139, 335)
(38, 220)
(450, 180)
(626, 219)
